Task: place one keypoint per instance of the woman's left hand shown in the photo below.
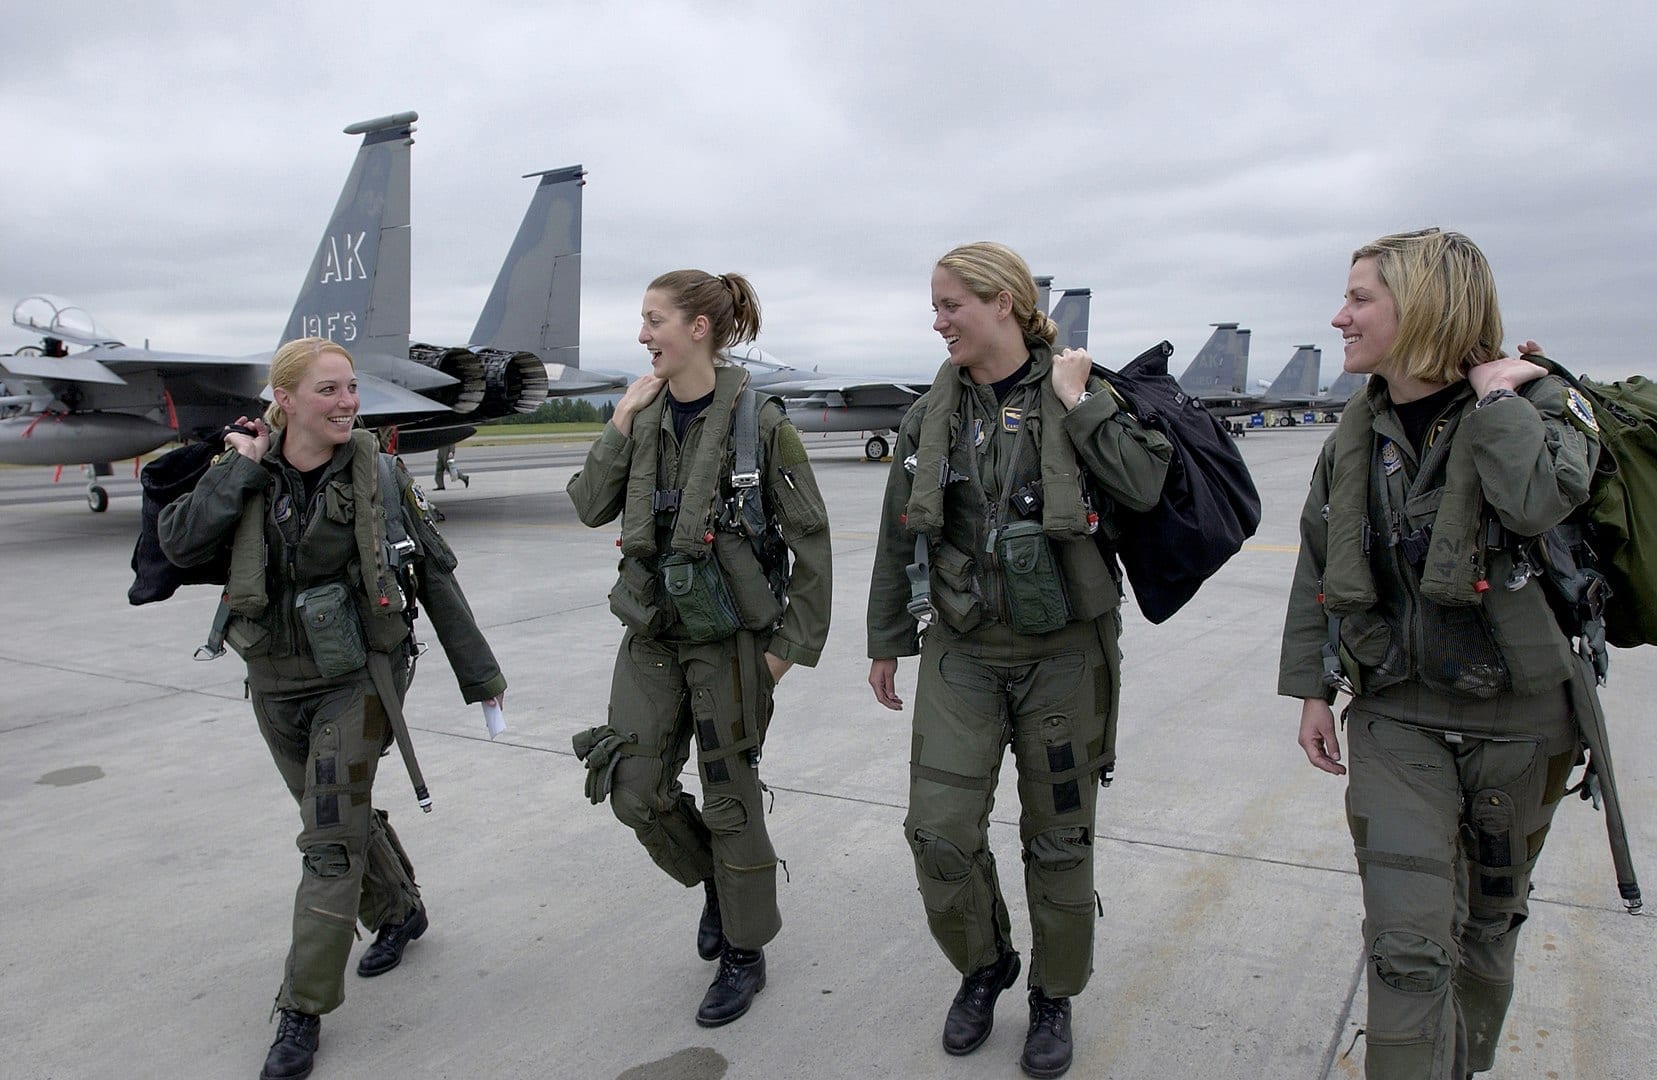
(1503, 373)
(778, 667)
(1070, 371)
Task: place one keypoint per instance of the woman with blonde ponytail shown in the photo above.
(1004, 471)
(300, 499)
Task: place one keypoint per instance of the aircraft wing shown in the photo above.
(842, 394)
(384, 398)
(78, 368)
(566, 381)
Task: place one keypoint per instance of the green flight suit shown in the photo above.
(665, 688)
(1453, 777)
(981, 687)
(326, 734)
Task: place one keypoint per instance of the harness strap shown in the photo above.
(1064, 776)
(1414, 864)
(949, 779)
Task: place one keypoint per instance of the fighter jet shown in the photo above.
(819, 402)
(114, 401)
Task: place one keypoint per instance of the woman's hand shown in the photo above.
(883, 677)
(1504, 373)
(640, 392)
(1070, 371)
(778, 667)
(253, 447)
(1317, 736)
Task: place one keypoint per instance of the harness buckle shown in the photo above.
(744, 479)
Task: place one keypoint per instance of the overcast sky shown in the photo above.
(170, 166)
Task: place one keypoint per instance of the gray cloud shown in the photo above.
(171, 167)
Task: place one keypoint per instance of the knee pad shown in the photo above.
(1409, 962)
(631, 810)
(1058, 850)
(724, 815)
(937, 858)
(327, 860)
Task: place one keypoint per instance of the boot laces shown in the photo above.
(1049, 1013)
(731, 972)
(293, 1026)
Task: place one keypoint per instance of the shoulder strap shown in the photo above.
(745, 439)
(397, 543)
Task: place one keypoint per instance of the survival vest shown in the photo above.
(704, 559)
(1620, 516)
(1209, 504)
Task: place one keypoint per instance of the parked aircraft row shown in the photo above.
(112, 401)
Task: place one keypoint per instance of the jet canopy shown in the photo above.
(54, 317)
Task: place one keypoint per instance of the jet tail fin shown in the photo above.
(535, 305)
(1221, 365)
(357, 289)
(1299, 377)
(1070, 315)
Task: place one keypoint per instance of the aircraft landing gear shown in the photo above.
(876, 448)
(97, 496)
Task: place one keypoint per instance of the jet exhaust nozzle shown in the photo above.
(457, 363)
(516, 381)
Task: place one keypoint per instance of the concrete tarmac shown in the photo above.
(150, 862)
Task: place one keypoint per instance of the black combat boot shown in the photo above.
(972, 1013)
(297, 1037)
(1047, 1047)
(387, 950)
(741, 975)
(710, 932)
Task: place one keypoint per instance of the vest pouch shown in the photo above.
(329, 615)
(956, 596)
(247, 637)
(637, 601)
(696, 588)
(1089, 586)
(756, 604)
(1030, 575)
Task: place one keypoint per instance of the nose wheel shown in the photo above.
(876, 448)
(97, 496)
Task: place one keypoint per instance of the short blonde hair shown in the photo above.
(1448, 317)
(988, 269)
(289, 366)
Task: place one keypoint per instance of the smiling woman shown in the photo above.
(1462, 728)
(725, 584)
(314, 384)
(320, 606)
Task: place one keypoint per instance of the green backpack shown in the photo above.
(1621, 511)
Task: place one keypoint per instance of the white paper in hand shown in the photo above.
(494, 719)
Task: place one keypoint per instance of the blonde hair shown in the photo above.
(728, 301)
(289, 367)
(988, 269)
(1448, 317)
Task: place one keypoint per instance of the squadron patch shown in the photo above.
(978, 434)
(1391, 457)
(1012, 417)
(1580, 409)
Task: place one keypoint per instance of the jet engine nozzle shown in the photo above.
(517, 382)
(458, 363)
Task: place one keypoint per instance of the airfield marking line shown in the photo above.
(1330, 1054)
(117, 678)
(549, 614)
(1287, 549)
